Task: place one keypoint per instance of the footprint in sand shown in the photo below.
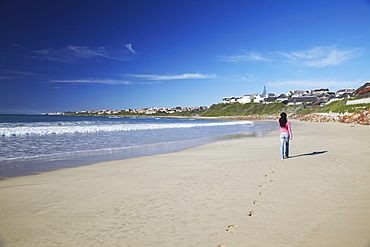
(230, 227)
(266, 176)
(272, 181)
(273, 172)
(256, 201)
(359, 182)
(262, 185)
(261, 193)
(251, 213)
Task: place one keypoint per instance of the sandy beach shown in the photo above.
(229, 193)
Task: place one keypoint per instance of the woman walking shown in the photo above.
(285, 135)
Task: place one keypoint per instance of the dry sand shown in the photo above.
(229, 193)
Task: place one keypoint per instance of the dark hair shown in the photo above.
(282, 119)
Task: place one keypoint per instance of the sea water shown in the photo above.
(34, 143)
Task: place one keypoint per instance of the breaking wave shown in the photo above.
(40, 129)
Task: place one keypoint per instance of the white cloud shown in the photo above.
(73, 53)
(141, 76)
(316, 57)
(310, 84)
(299, 72)
(21, 73)
(246, 56)
(173, 77)
(85, 52)
(246, 76)
(129, 47)
(322, 56)
(94, 81)
(14, 74)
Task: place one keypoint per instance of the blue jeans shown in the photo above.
(284, 145)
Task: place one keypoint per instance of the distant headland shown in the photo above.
(296, 103)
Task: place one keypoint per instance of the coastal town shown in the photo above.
(146, 111)
(320, 96)
(296, 97)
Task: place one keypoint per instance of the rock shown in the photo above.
(362, 117)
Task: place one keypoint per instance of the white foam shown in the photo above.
(57, 129)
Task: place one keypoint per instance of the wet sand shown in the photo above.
(228, 193)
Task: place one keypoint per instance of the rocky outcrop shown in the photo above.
(362, 117)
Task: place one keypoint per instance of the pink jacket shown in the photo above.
(286, 129)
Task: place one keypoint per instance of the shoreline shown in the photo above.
(231, 193)
(32, 166)
(362, 117)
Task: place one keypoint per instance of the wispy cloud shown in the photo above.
(21, 73)
(129, 47)
(74, 53)
(315, 84)
(246, 76)
(94, 81)
(321, 56)
(316, 57)
(173, 77)
(156, 78)
(246, 56)
(13, 74)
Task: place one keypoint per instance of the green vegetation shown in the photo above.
(237, 109)
(336, 106)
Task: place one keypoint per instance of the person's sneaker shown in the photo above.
(285, 157)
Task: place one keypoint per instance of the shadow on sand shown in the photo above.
(308, 154)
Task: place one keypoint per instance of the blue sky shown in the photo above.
(117, 54)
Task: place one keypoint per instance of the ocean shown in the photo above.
(30, 144)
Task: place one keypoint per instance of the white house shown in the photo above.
(231, 99)
(296, 93)
(303, 99)
(269, 100)
(281, 98)
(258, 98)
(318, 91)
(247, 98)
(341, 92)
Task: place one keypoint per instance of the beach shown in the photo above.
(227, 193)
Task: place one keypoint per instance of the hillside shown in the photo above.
(237, 109)
(243, 111)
